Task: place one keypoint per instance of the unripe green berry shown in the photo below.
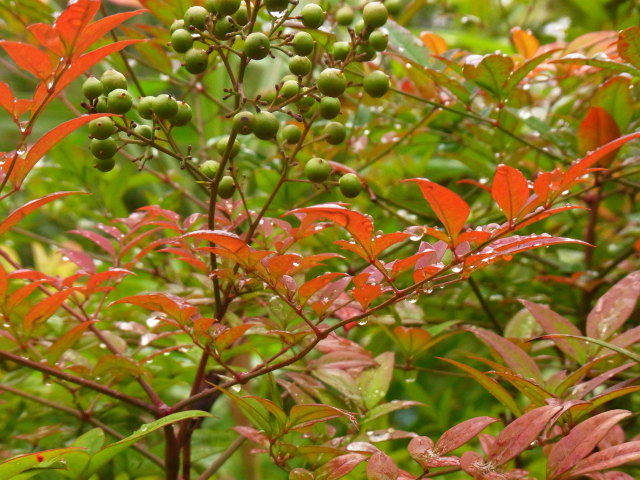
(241, 17)
(300, 65)
(244, 122)
(257, 46)
(276, 5)
(210, 168)
(394, 7)
(344, 15)
(165, 106)
(223, 28)
(375, 14)
(329, 107)
(196, 60)
(359, 27)
(312, 15)
(176, 25)
(226, 7)
(331, 82)
(317, 170)
(289, 89)
(101, 104)
(221, 147)
(105, 164)
(226, 187)
(92, 88)
(268, 94)
(144, 131)
(378, 40)
(102, 149)
(183, 115)
(119, 101)
(181, 40)
(335, 133)
(291, 134)
(266, 126)
(340, 50)
(306, 102)
(210, 6)
(376, 84)
(196, 16)
(365, 53)
(303, 43)
(145, 107)
(112, 80)
(102, 128)
(350, 185)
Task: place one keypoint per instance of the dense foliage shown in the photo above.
(385, 240)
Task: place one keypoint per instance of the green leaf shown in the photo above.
(92, 441)
(374, 382)
(407, 45)
(303, 416)
(523, 70)
(45, 459)
(629, 45)
(491, 73)
(387, 408)
(615, 97)
(593, 62)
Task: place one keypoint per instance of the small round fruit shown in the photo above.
(378, 40)
(289, 89)
(241, 17)
(210, 168)
(257, 46)
(210, 6)
(312, 15)
(317, 170)
(102, 149)
(300, 65)
(364, 53)
(243, 122)
(291, 134)
(221, 147)
(335, 133)
(119, 101)
(359, 27)
(92, 88)
(376, 84)
(196, 60)
(226, 7)
(145, 107)
(181, 40)
(196, 16)
(350, 185)
(375, 14)
(101, 104)
(276, 5)
(266, 126)
(303, 43)
(112, 80)
(329, 107)
(223, 28)
(340, 50)
(226, 187)
(105, 164)
(344, 15)
(306, 102)
(102, 128)
(183, 115)
(144, 131)
(331, 82)
(176, 25)
(394, 7)
(165, 106)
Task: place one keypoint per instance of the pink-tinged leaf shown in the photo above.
(73, 20)
(171, 305)
(463, 432)
(252, 434)
(530, 388)
(421, 450)
(231, 335)
(48, 37)
(597, 129)
(613, 475)
(627, 338)
(585, 388)
(623, 351)
(21, 212)
(451, 210)
(519, 434)
(629, 45)
(29, 58)
(340, 466)
(98, 239)
(307, 289)
(605, 459)
(525, 42)
(222, 238)
(81, 259)
(510, 190)
(581, 440)
(381, 467)
(66, 341)
(615, 436)
(301, 417)
(614, 308)
(96, 30)
(512, 355)
(45, 308)
(553, 322)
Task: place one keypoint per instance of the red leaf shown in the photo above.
(597, 129)
(96, 30)
(307, 289)
(21, 212)
(171, 305)
(29, 58)
(367, 293)
(81, 259)
(607, 458)
(340, 466)
(18, 296)
(381, 467)
(225, 239)
(581, 440)
(97, 239)
(614, 308)
(45, 308)
(7, 98)
(451, 210)
(510, 190)
(48, 37)
(462, 433)
(73, 20)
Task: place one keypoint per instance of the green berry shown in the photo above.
(331, 82)
(196, 16)
(196, 60)
(364, 53)
(378, 41)
(244, 122)
(257, 46)
(306, 102)
(119, 101)
(145, 107)
(340, 50)
(376, 84)
(268, 94)
(312, 16)
(335, 133)
(359, 27)
(144, 131)
(226, 7)
(210, 168)
(241, 17)
(101, 104)
(300, 65)
(226, 187)
(394, 7)
(266, 126)
(221, 147)
(183, 115)
(375, 14)
(317, 170)
(176, 25)
(92, 88)
(344, 15)
(276, 5)
(289, 89)
(210, 6)
(102, 149)
(112, 80)
(102, 128)
(350, 185)
(105, 164)
(223, 28)
(303, 43)
(181, 40)
(165, 106)
(291, 133)
(329, 107)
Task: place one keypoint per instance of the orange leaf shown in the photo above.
(73, 20)
(597, 129)
(96, 30)
(29, 58)
(510, 190)
(524, 41)
(434, 42)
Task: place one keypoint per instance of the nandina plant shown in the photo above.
(252, 320)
